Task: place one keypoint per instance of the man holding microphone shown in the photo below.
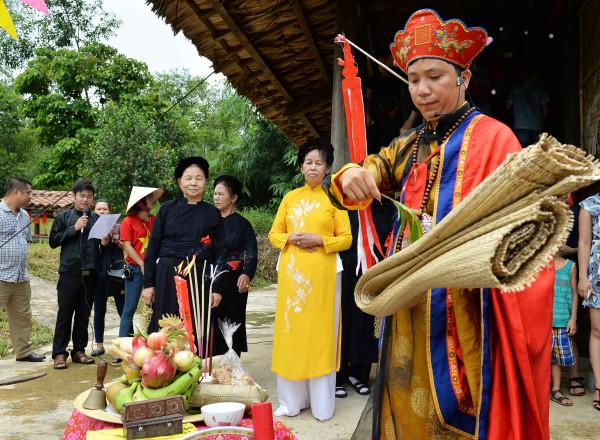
(78, 275)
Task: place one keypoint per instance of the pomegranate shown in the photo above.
(137, 342)
(157, 340)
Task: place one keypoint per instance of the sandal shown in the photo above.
(557, 396)
(60, 362)
(98, 352)
(340, 392)
(596, 402)
(576, 383)
(79, 357)
(361, 388)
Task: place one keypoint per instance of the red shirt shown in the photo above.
(136, 231)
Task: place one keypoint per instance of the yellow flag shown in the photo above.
(6, 22)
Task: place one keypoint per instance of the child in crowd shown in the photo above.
(564, 324)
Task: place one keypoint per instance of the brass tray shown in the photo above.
(109, 414)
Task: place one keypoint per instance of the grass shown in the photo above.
(43, 261)
(261, 220)
(40, 335)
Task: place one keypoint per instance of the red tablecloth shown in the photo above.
(79, 424)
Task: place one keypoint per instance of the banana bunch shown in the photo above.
(123, 391)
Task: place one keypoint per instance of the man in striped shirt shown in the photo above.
(15, 292)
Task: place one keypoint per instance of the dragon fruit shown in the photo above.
(158, 370)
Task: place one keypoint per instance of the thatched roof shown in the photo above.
(280, 53)
(277, 53)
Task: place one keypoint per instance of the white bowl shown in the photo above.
(223, 414)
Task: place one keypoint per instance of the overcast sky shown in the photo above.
(146, 37)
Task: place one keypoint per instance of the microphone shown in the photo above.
(87, 212)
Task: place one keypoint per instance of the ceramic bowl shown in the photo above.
(223, 414)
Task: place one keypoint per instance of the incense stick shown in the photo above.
(212, 344)
(341, 38)
(202, 310)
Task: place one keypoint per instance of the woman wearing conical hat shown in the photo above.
(462, 363)
(135, 235)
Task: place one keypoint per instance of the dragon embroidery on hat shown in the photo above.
(402, 51)
(427, 35)
(446, 40)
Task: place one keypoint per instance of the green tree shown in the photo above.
(17, 142)
(65, 92)
(138, 144)
(71, 24)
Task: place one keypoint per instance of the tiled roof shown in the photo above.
(41, 198)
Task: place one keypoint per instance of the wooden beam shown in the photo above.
(309, 125)
(311, 41)
(214, 31)
(306, 105)
(270, 31)
(247, 44)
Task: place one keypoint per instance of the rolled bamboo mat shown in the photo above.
(500, 235)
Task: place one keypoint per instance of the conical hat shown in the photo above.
(140, 192)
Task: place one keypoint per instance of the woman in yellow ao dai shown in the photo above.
(310, 232)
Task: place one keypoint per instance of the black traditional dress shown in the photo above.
(239, 256)
(359, 345)
(179, 232)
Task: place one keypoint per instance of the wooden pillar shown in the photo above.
(348, 21)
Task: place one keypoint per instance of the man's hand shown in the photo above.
(216, 300)
(572, 327)
(358, 184)
(148, 295)
(81, 223)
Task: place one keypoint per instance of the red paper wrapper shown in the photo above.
(262, 421)
(184, 308)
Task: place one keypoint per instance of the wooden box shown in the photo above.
(153, 418)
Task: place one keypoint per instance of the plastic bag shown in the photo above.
(230, 370)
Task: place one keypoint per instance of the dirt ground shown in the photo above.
(40, 409)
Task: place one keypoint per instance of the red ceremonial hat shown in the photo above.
(426, 35)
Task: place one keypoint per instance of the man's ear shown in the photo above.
(466, 77)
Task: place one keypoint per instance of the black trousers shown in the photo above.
(75, 299)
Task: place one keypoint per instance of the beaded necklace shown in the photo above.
(434, 171)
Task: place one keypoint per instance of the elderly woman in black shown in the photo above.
(239, 256)
(184, 227)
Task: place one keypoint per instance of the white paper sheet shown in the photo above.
(103, 226)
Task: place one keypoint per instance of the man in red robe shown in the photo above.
(463, 363)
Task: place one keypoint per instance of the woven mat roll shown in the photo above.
(500, 236)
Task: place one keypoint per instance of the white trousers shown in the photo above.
(318, 393)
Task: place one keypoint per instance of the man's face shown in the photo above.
(24, 196)
(433, 89)
(84, 200)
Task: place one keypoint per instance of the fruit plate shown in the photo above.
(110, 415)
(222, 432)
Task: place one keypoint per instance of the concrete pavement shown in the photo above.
(40, 409)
